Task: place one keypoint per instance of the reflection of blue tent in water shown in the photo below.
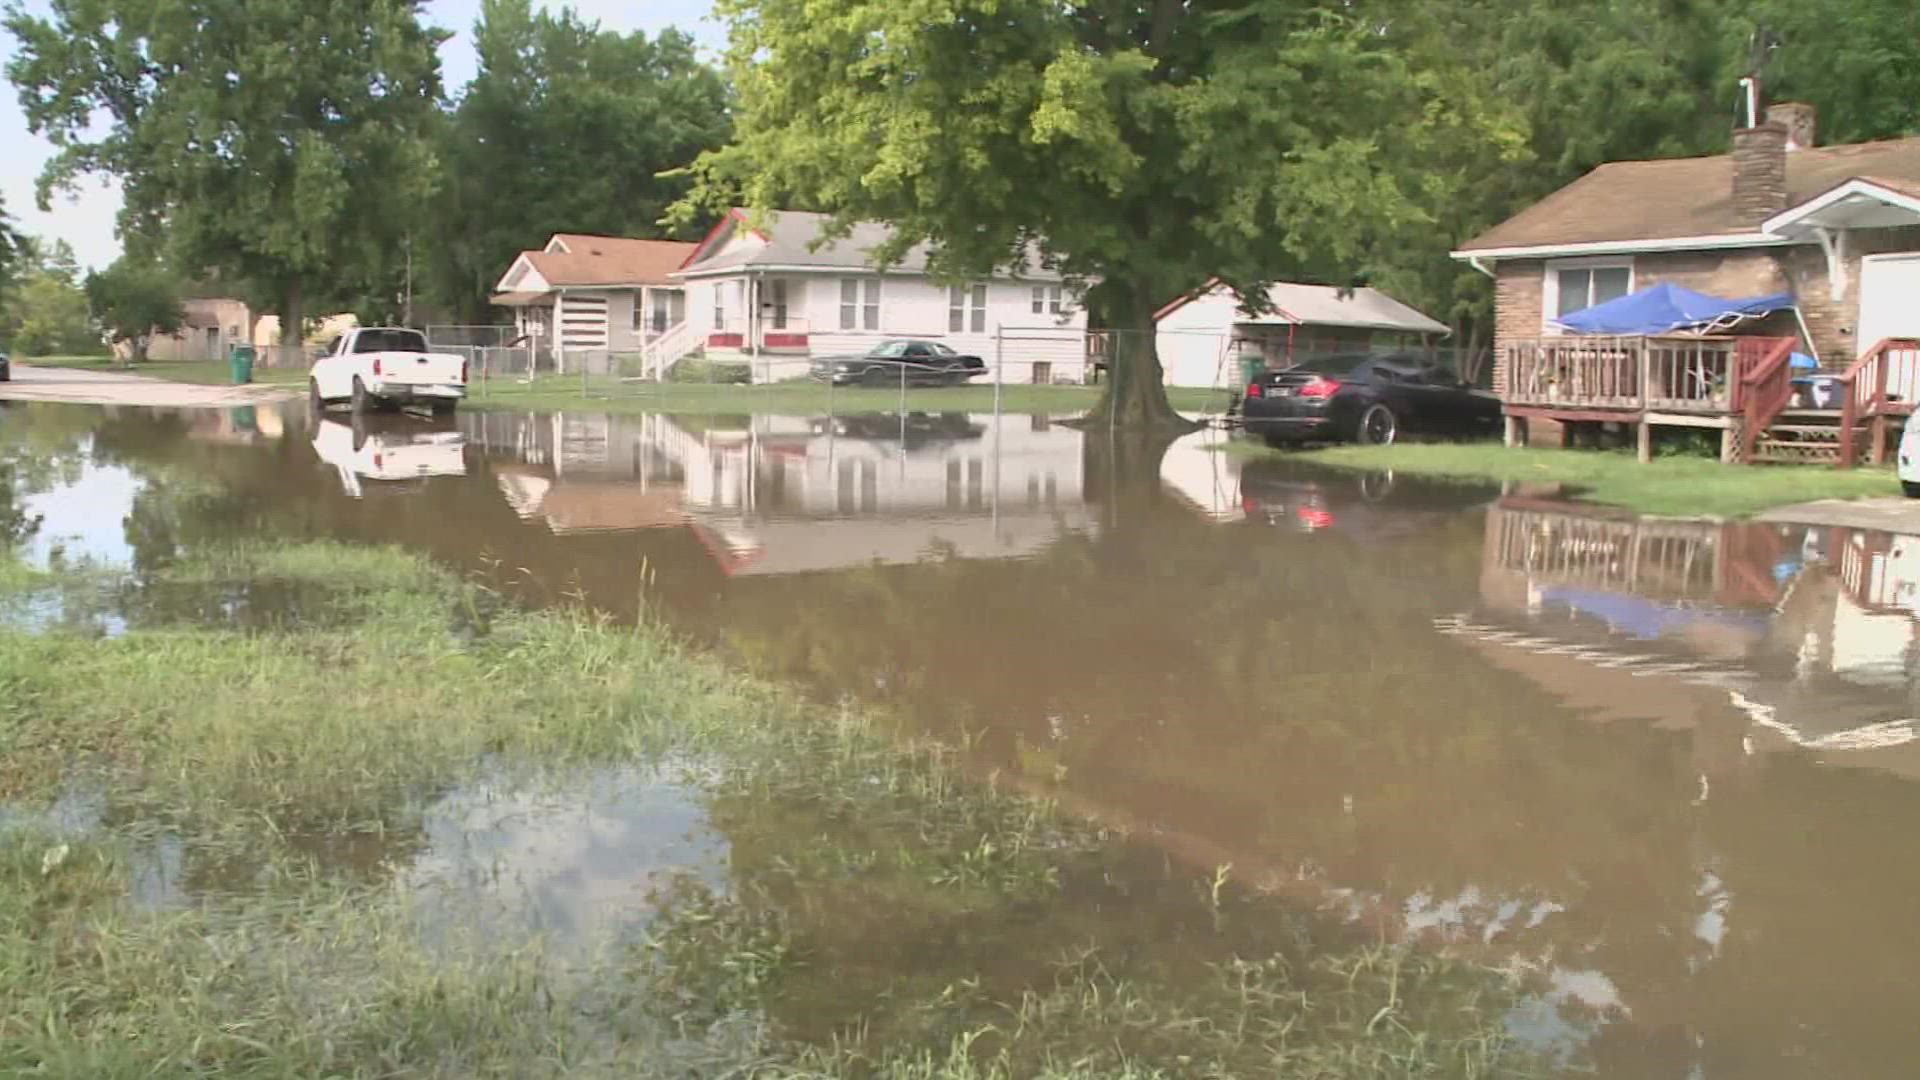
(1668, 308)
(1647, 619)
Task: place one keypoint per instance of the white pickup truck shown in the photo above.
(384, 366)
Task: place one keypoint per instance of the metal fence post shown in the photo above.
(999, 356)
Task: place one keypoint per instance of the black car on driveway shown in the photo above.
(1366, 399)
(917, 362)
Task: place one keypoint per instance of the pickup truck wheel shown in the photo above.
(362, 401)
(442, 409)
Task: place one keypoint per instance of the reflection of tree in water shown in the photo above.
(41, 447)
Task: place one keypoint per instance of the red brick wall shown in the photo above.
(1801, 269)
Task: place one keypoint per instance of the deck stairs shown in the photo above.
(1804, 437)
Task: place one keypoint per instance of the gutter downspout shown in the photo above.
(1474, 261)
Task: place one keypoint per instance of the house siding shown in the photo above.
(1801, 269)
(1029, 346)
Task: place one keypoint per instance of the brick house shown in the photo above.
(1838, 227)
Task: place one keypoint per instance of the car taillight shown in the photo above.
(378, 460)
(1313, 517)
(1249, 505)
(1320, 387)
(376, 365)
(1253, 389)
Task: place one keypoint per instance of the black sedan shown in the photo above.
(917, 362)
(6, 368)
(1366, 399)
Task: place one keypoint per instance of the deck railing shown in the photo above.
(1680, 374)
(1884, 382)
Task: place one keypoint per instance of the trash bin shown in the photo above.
(241, 361)
(1252, 366)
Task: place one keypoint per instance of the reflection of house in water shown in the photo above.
(772, 494)
(1796, 634)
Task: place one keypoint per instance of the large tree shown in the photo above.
(1145, 146)
(565, 128)
(271, 141)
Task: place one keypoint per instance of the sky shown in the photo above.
(87, 222)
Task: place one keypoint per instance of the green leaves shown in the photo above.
(276, 141)
(134, 300)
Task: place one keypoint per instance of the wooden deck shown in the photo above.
(1742, 386)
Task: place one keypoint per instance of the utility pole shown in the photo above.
(406, 318)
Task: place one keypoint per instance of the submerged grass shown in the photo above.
(884, 915)
(1681, 486)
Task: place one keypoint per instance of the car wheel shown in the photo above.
(362, 401)
(878, 376)
(1911, 487)
(315, 402)
(1377, 427)
(1279, 442)
(443, 409)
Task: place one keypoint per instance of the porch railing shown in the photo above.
(1883, 383)
(1664, 374)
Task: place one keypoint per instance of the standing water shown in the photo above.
(1661, 768)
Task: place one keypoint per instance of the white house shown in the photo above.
(776, 297)
(1202, 338)
(598, 300)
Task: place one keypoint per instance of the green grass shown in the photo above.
(1680, 486)
(197, 372)
(553, 393)
(886, 913)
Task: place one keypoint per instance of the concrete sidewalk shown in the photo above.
(1891, 514)
(113, 388)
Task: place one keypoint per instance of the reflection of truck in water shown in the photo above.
(388, 452)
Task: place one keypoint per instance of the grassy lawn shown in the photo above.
(554, 393)
(883, 912)
(1682, 486)
(198, 372)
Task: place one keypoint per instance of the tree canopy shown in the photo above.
(273, 141)
(565, 128)
(135, 299)
(45, 314)
(1147, 147)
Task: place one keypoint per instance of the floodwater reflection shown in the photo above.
(1666, 766)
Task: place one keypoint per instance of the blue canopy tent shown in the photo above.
(1667, 308)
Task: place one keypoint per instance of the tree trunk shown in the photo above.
(137, 353)
(293, 318)
(1136, 395)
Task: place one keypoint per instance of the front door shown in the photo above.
(1890, 308)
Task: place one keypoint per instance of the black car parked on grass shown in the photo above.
(1365, 399)
(917, 362)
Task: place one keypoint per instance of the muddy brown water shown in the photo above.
(1667, 765)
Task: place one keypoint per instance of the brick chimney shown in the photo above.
(1799, 119)
(1759, 172)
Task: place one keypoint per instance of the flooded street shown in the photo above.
(1659, 768)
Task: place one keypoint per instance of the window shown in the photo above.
(859, 303)
(1047, 300)
(662, 310)
(719, 306)
(967, 309)
(373, 341)
(1576, 285)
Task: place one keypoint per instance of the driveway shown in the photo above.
(1888, 515)
(114, 388)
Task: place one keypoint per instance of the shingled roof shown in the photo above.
(609, 260)
(1633, 201)
(792, 241)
